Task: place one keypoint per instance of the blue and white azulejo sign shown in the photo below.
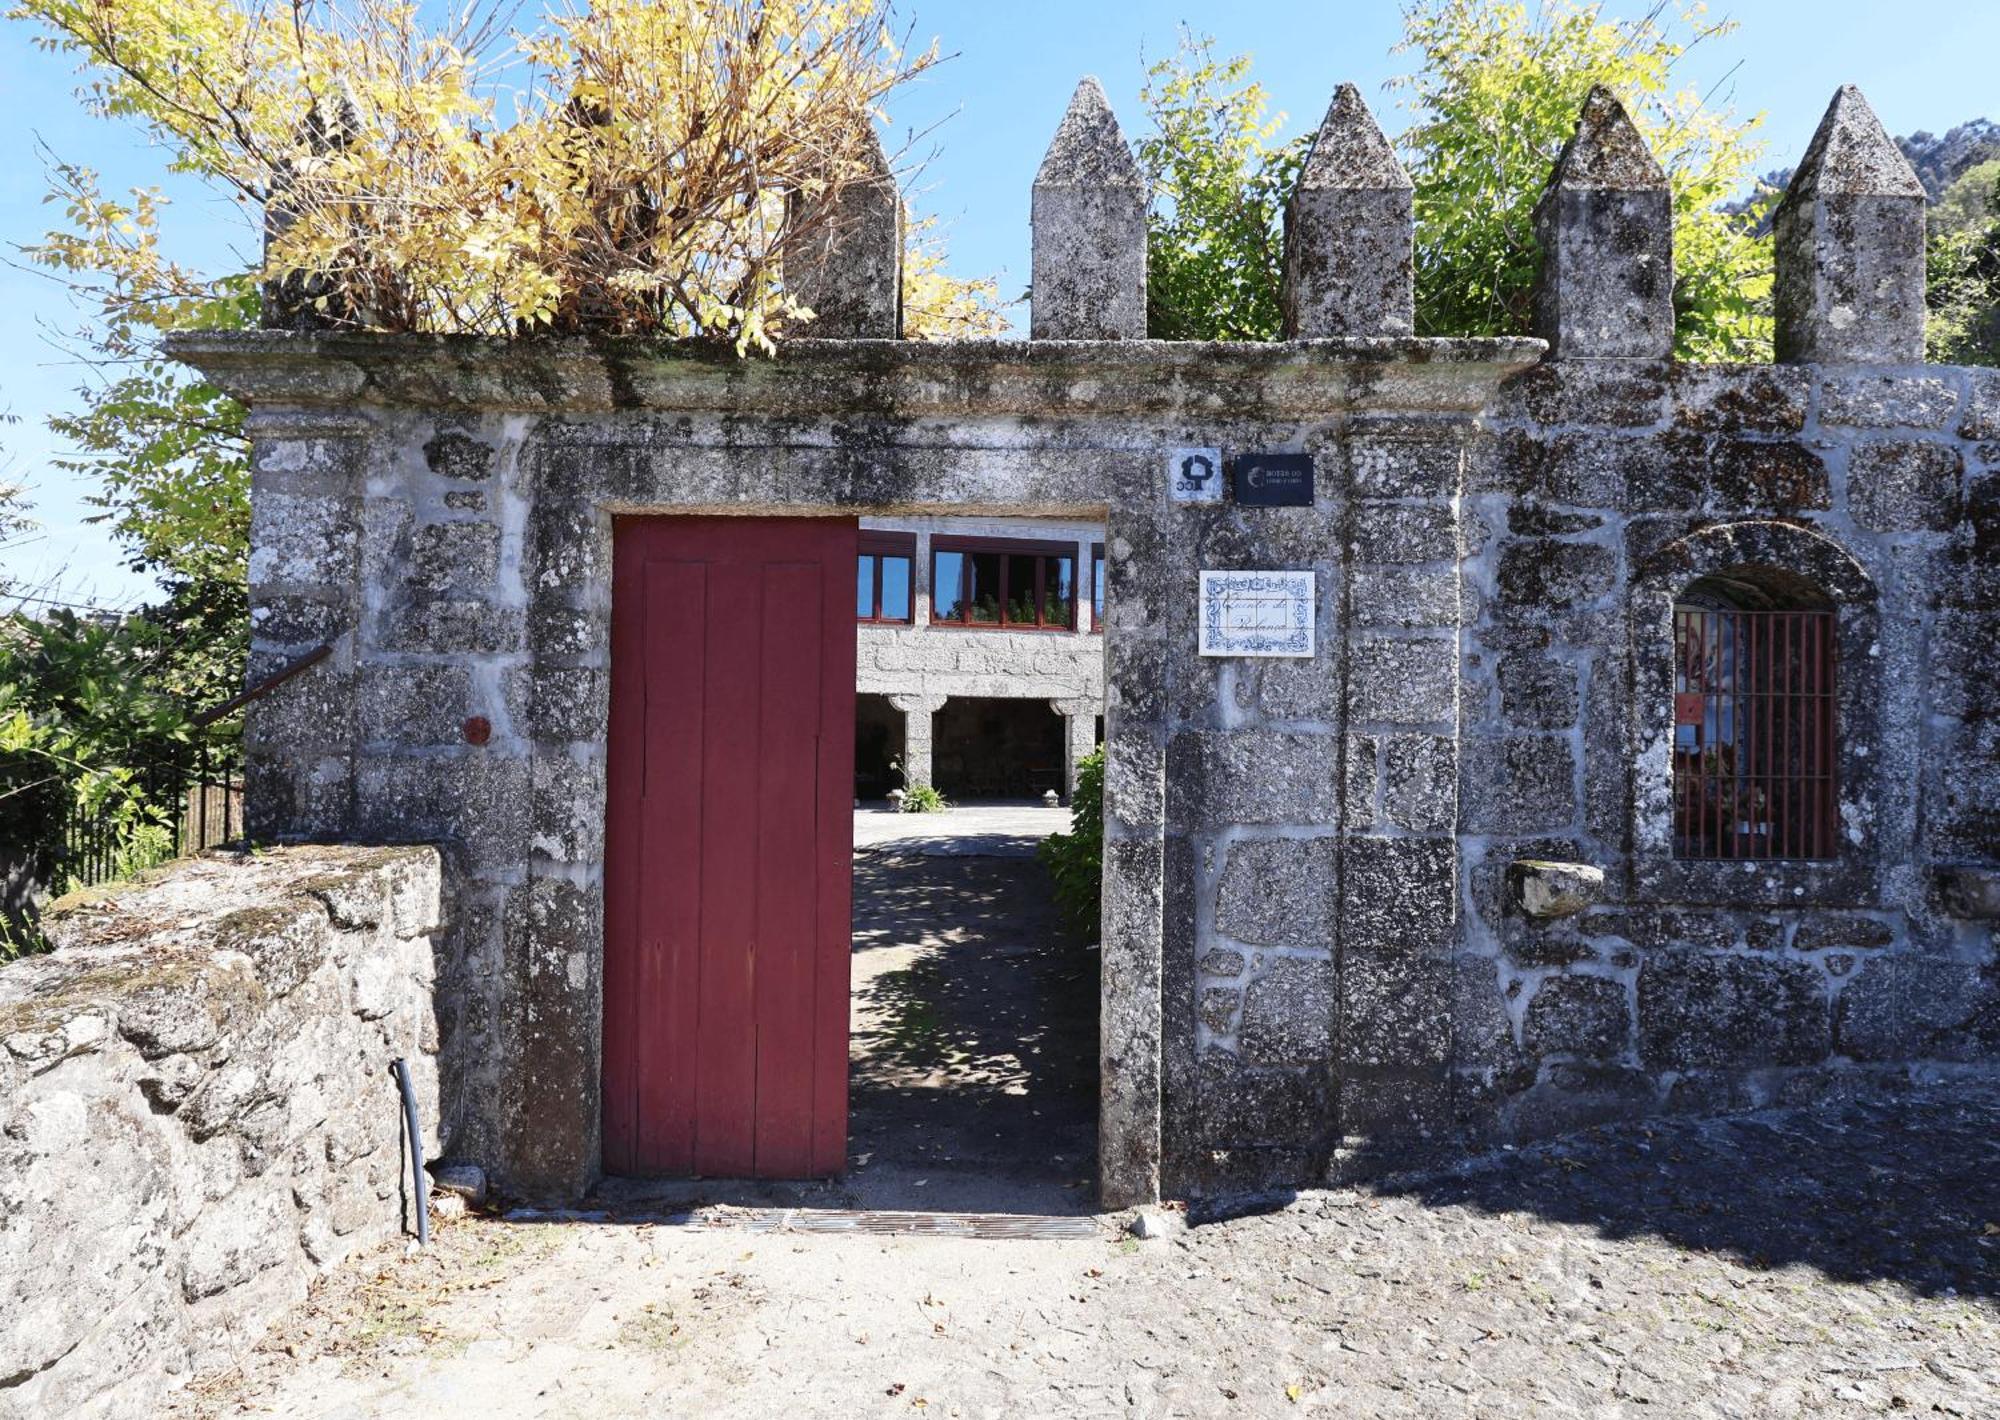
(1256, 614)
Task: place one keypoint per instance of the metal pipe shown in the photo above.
(420, 1182)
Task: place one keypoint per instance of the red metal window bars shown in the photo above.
(1754, 742)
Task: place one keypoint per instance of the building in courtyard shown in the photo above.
(980, 654)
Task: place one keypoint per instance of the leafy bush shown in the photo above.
(1964, 287)
(1214, 237)
(94, 727)
(1495, 91)
(1076, 859)
(924, 799)
(1496, 94)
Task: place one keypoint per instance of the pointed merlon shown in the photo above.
(1607, 151)
(1849, 245)
(1349, 232)
(1605, 290)
(1350, 152)
(847, 264)
(303, 300)
(1088, 278)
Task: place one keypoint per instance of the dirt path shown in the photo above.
(975, 1038)
(1840, 1261)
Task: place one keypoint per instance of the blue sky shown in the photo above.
(1925, 64)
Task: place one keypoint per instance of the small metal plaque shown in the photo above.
(1273, 480)
(1257, 614)
(1195, 475)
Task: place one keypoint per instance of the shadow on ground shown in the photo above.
(975, 1035)
(1903, 1188)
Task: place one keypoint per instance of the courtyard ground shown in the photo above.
(1834, 1261)
(1840, 1260)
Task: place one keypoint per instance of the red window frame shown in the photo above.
(879, 545)
(1097, 587)
(1007, 548)
(1754, 734)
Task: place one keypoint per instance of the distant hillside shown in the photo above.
(1938, 160)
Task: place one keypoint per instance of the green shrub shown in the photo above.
(924, 799)
(1076, 859)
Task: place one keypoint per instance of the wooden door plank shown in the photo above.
(787, 866)
(726, 1058)
(622, 826)
(671, 782)
(834, 839)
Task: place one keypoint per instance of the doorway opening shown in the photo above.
(999, 749)
(820, 1001)
(878, 748)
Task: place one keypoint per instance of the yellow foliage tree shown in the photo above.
(622, 165)
(938, 305)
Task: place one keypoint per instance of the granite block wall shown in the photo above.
(197, 1112)
(1414, 892)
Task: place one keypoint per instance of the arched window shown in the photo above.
(1754, 724)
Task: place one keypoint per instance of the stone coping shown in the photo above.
(1045, 378)
(216, 935)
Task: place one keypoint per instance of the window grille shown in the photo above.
(1754, 742)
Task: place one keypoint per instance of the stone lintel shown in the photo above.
(1066, 378)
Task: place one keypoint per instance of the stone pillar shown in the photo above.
(303, 300)
(1605, 290)
(1396, 923)
(1080, 736)
(1350, 230)
(1849, 246)
(917, 711)
(307, 470)
(1088, 270)
(850, 269)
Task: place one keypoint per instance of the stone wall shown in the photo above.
(1705, 985)
(1314, 959)
(197, 1111)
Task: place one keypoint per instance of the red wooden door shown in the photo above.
(729, 840)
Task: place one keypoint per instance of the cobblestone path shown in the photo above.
(1843, 1260)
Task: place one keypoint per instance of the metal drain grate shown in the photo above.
(897, 1224)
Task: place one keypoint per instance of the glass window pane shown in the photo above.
(982, 587)
(864, 587)
(948, 594)
(1058, 590)
(1021, 589)
(895, 588)
(1097, 592)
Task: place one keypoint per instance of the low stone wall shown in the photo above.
(197, 1110)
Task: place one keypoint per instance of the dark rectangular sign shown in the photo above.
(1273, 480)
